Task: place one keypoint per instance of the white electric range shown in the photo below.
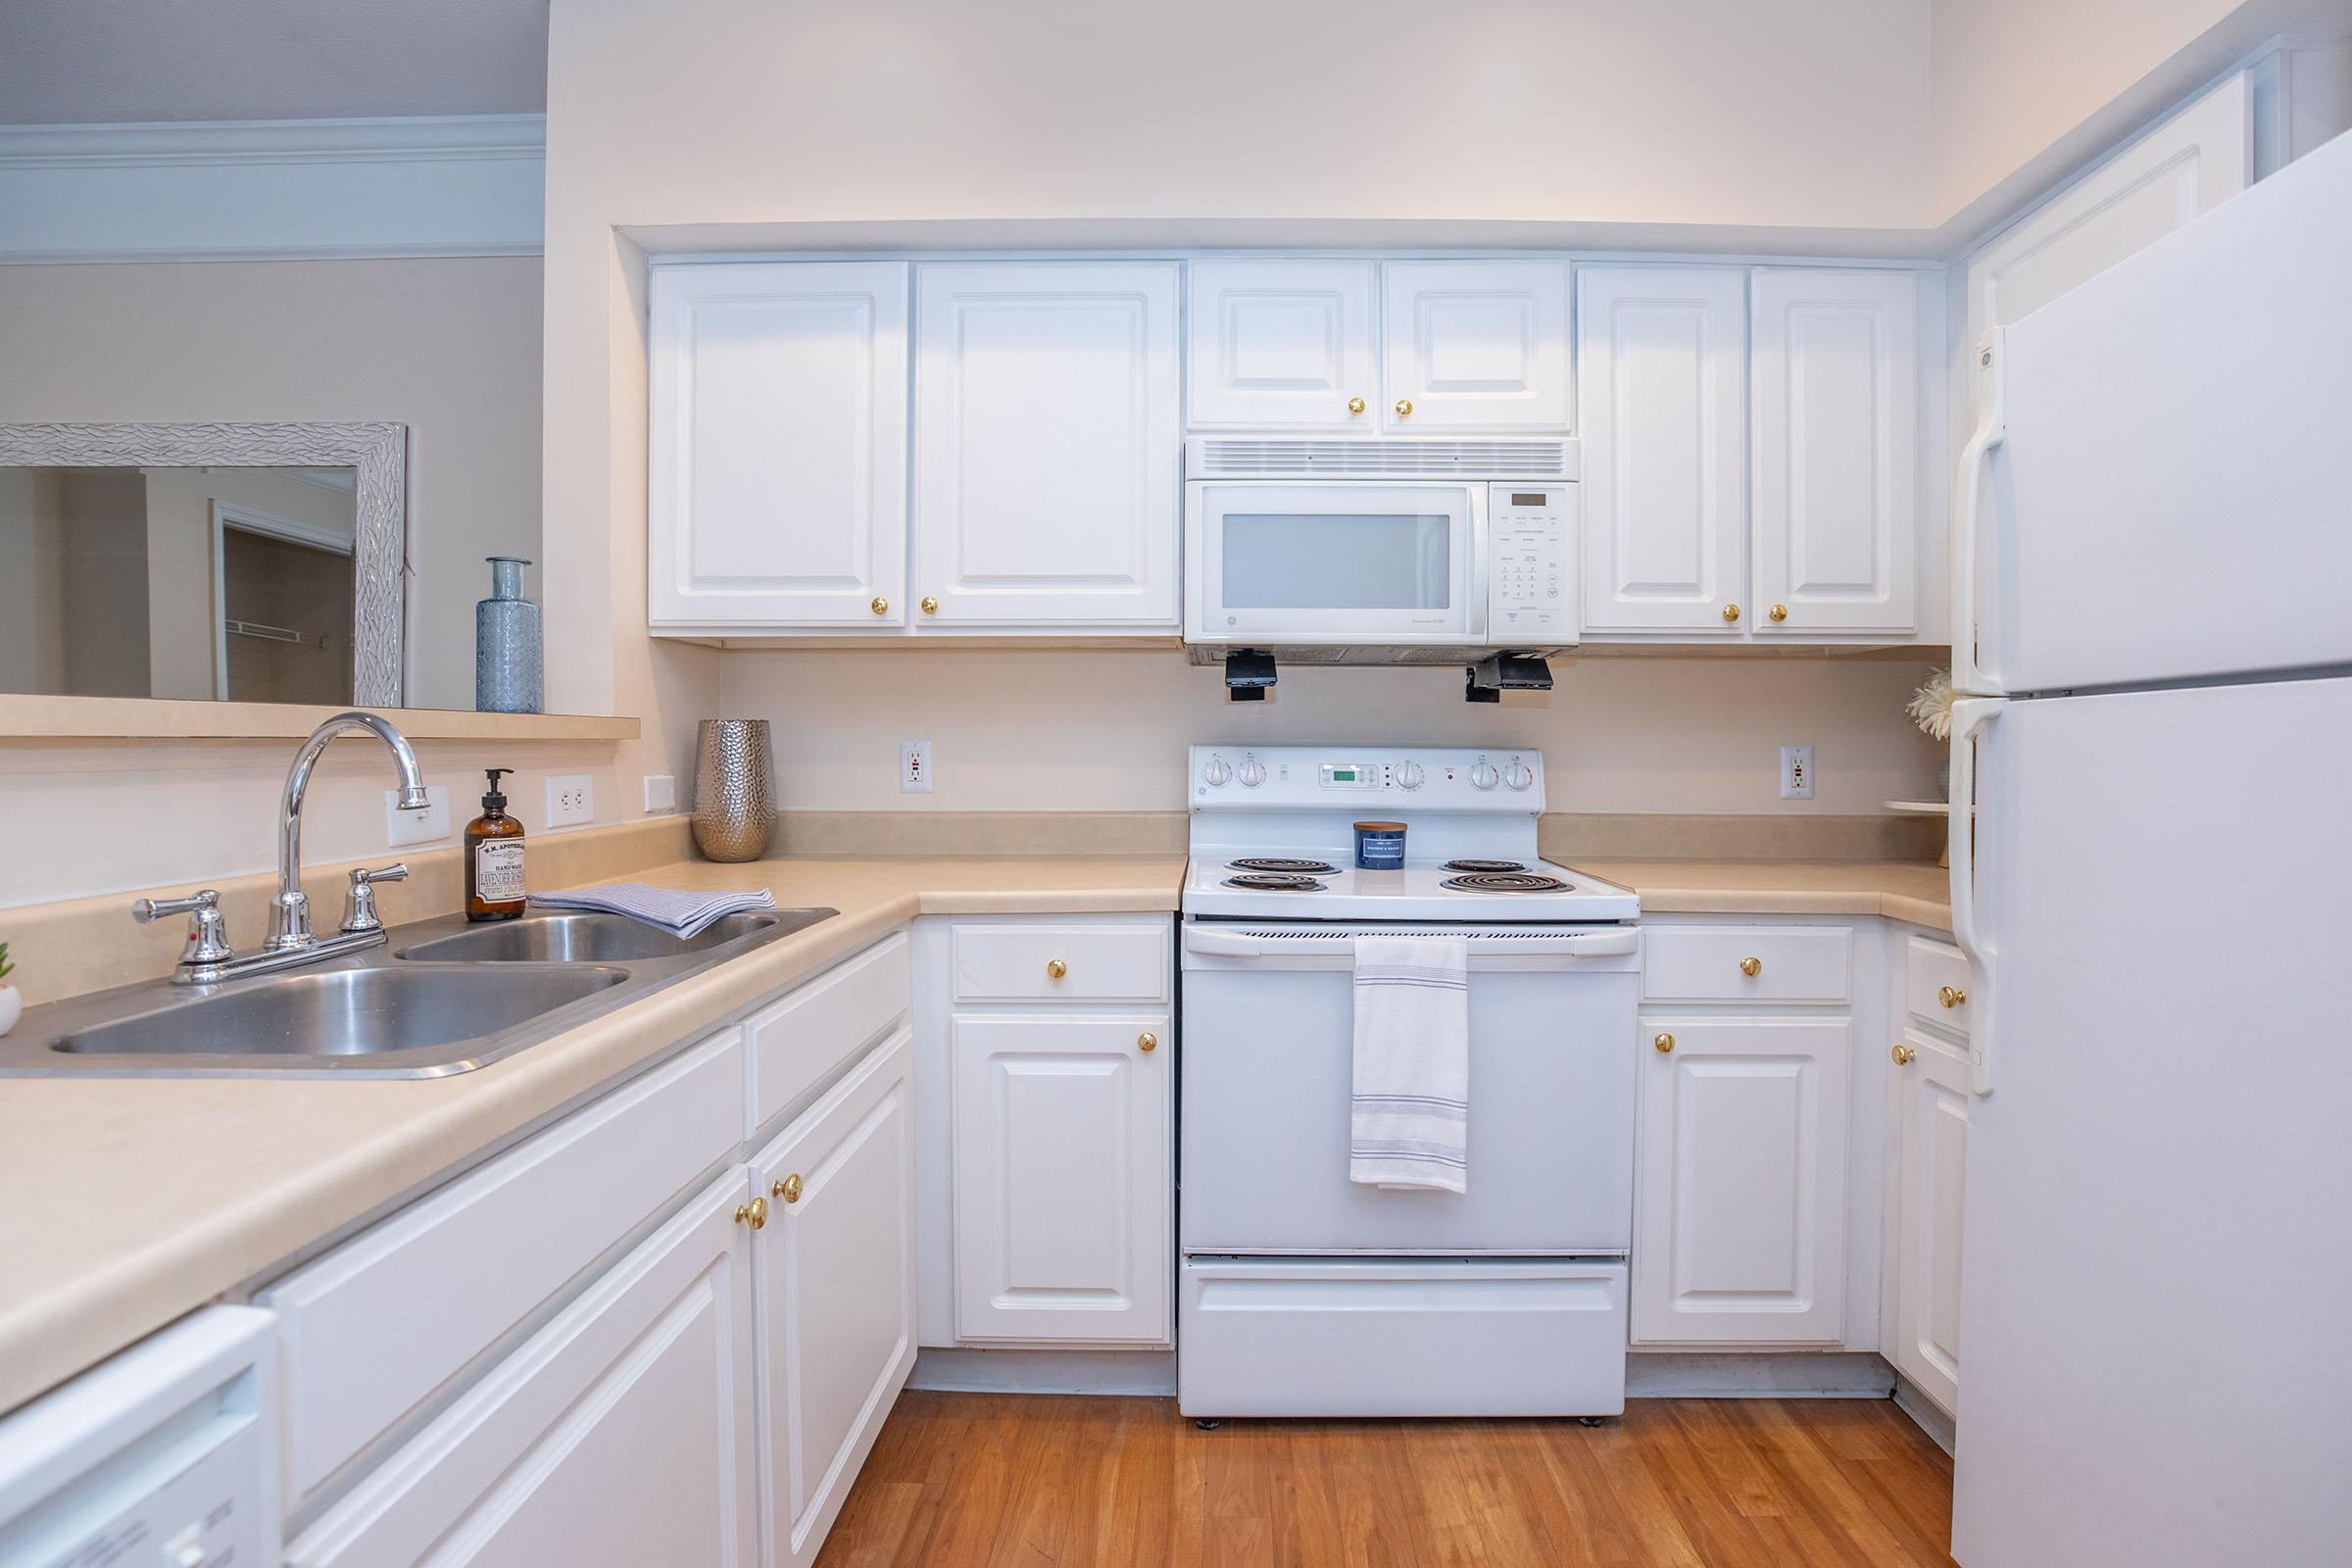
(1301, 1292)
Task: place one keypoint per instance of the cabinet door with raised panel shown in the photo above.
(1740, 1180)
(835, 1287)
(1280, 345)
(1931, 1132)
(1662, 386)
(1475, 346)
(1047, 444)
(1063, 1192)
(777, 483)
(1836, 440)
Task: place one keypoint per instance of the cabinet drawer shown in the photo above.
(799, 1042)
(1710, 963)
(1933, 972)
(1061, 963)
(378, 1325)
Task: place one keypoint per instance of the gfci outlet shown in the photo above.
(915, 767)
(570, 800)
(1796, 772)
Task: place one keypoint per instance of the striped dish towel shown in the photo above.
(681, 914)
(1409, 1116)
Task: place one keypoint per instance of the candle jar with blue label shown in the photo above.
(1380, 845)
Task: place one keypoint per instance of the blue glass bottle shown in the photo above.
(506, 643)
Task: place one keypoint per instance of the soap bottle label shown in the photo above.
(498, 871)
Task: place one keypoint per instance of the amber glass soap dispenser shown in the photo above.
(494, 859)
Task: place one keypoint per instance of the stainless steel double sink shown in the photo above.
(438, 997)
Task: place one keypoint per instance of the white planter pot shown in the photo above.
(12, 1003)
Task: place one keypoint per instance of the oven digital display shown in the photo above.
(1346, 775)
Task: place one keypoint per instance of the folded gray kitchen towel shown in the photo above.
(680, 914)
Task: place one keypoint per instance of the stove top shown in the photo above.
(1277, 881)
(1282, 864)
(1516, 880)
(1422, 891)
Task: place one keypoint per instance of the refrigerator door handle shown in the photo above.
(1969, 677)
(1969, 715)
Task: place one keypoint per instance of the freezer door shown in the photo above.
(2156, 1265)
(2169, 501)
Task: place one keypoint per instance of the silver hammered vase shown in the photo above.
(734, 789)
(506, 643)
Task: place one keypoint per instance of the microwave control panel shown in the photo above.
(1531, 591)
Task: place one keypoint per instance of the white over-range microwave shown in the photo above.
(1380, 551)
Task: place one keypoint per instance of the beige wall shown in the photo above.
(450, 347)
(182, 652)
(33, 583)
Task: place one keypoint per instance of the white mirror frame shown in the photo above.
(378, 451)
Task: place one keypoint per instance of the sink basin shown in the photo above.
(587, 938)
(345, 1012)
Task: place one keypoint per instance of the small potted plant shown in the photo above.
(11, 1004)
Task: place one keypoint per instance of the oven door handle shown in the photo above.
(1211, 943)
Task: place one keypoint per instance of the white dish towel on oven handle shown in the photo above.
(1409, 1111)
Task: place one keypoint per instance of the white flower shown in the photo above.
(1931, 707)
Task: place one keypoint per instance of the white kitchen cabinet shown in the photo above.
(834, 1280)
(1740, 1190)
(777, 454)
(1475, 346)
(1835, 426)
(1931, 1136)
(1063, 1179)
(1047, 438)
(1282, 343)
(1662, 396)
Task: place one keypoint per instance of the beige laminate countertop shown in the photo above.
(1899, 890)
(132, 1201)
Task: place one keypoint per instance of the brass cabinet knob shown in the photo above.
(1404, 408)
(1663, 1043)
(1147, 1042)
(1355, 405)
(1902, 1055)
(1730, 612)
(1778, 612)
(1055, 968)
(1751, 967)
(752, 1213)
(1950, 997)
(930, 606)
(789, 1188)
(880, 605)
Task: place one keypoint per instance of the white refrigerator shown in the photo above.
(2153, 544)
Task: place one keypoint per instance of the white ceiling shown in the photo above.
(98, 61)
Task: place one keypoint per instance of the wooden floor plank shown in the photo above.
(1067, 1481)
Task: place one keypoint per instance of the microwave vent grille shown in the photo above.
(1243, 459)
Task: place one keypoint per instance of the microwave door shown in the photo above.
(1339, 564)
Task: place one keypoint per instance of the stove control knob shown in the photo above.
(1483, 774)
(1518, 775)
(1409, 775)
(1215, 773)
(1253, 773)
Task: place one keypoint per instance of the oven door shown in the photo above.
(1301, 564)
(1266, 1060)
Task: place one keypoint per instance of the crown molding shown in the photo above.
(273, 190)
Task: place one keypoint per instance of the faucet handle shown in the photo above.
(144, 911)
(359, 905)
(207, 932)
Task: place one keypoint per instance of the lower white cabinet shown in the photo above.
(1062, 1188)
(1930, 1133)
(834, 1279)
(1740, 1181)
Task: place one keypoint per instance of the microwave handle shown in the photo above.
(1478, 591)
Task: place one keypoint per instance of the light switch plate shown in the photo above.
(660, 792)
(417, 827)
(570, 800)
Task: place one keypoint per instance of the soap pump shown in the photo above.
(494, 859)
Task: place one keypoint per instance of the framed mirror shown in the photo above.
(245, 562)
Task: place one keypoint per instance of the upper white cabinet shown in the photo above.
(1047, 444)
(1283, 345)
(778, 456)
(1836, 432)
(1661, 380)
(1475, 346)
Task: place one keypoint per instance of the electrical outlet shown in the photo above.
(915, 767)
(660, 792)
(570, 800)
(417, 827)
(1796, 772)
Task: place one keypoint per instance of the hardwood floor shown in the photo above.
(997, 1480)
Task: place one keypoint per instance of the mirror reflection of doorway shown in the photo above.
(283, 589)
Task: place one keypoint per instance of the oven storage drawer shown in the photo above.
(1713, 963)
(1287, 1337)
